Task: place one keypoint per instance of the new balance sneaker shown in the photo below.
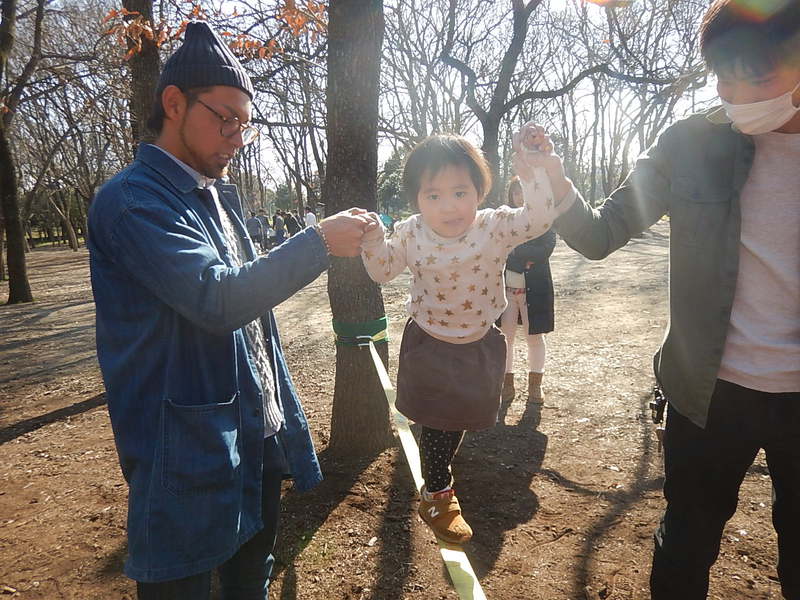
(442, 513)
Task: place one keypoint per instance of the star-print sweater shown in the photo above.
(457, 289)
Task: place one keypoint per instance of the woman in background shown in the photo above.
(529, 290)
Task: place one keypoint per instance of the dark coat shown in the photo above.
(292, 226)
(538, 280)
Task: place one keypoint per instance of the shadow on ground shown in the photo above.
(507, 457)
(305, 513)
(19, 428)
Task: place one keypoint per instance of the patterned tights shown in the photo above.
(436, 451)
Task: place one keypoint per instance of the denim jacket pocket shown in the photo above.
(200, 446)
(695, 210)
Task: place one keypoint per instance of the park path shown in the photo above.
(563, 501)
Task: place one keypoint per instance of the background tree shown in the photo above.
(420, 94)
(71, 130)
(11, 89)
(293, 115)
(499, 48)
(145, 66)
(390, 198)
(648, 64)
(491, 113)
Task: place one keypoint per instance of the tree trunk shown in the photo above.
(62, 209)
(145, 69)
(490, 149)
(360, 423)
(2, 250)
(491, 117)
(19, 290)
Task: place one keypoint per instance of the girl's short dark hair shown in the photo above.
(513, 185)
(436, 152)
(749, 36)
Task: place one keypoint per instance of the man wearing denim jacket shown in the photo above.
(206, 419)
(730, 362)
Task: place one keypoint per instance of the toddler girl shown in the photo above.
(452, 356)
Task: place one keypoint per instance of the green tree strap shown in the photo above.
(360, 334)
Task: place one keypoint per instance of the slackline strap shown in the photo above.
(360, 334)
(464, 580)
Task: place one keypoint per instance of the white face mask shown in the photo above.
(760, 117)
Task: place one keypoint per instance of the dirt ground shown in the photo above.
(563, 501)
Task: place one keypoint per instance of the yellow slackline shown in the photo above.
(464, 580)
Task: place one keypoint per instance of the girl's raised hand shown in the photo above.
(534, 148)
(374, 229)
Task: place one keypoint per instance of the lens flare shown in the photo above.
(759, 10)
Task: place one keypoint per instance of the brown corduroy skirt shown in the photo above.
(452, 387)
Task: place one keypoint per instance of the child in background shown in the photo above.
(452, 356)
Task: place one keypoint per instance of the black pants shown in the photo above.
(703, 471)
(436, 451)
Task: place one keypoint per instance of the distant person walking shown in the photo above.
(280, 228)
(292, 226)
(529, 291)
(268, 231)
(255, 230)
(311, 218)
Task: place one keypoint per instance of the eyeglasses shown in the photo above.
(232, 125)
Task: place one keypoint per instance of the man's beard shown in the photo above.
(210, 171)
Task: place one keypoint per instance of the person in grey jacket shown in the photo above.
(730, 361)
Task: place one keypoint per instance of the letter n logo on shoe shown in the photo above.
(433, 512)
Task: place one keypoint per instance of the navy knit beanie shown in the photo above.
(203, 60)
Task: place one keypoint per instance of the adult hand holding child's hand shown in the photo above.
(344, 230)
